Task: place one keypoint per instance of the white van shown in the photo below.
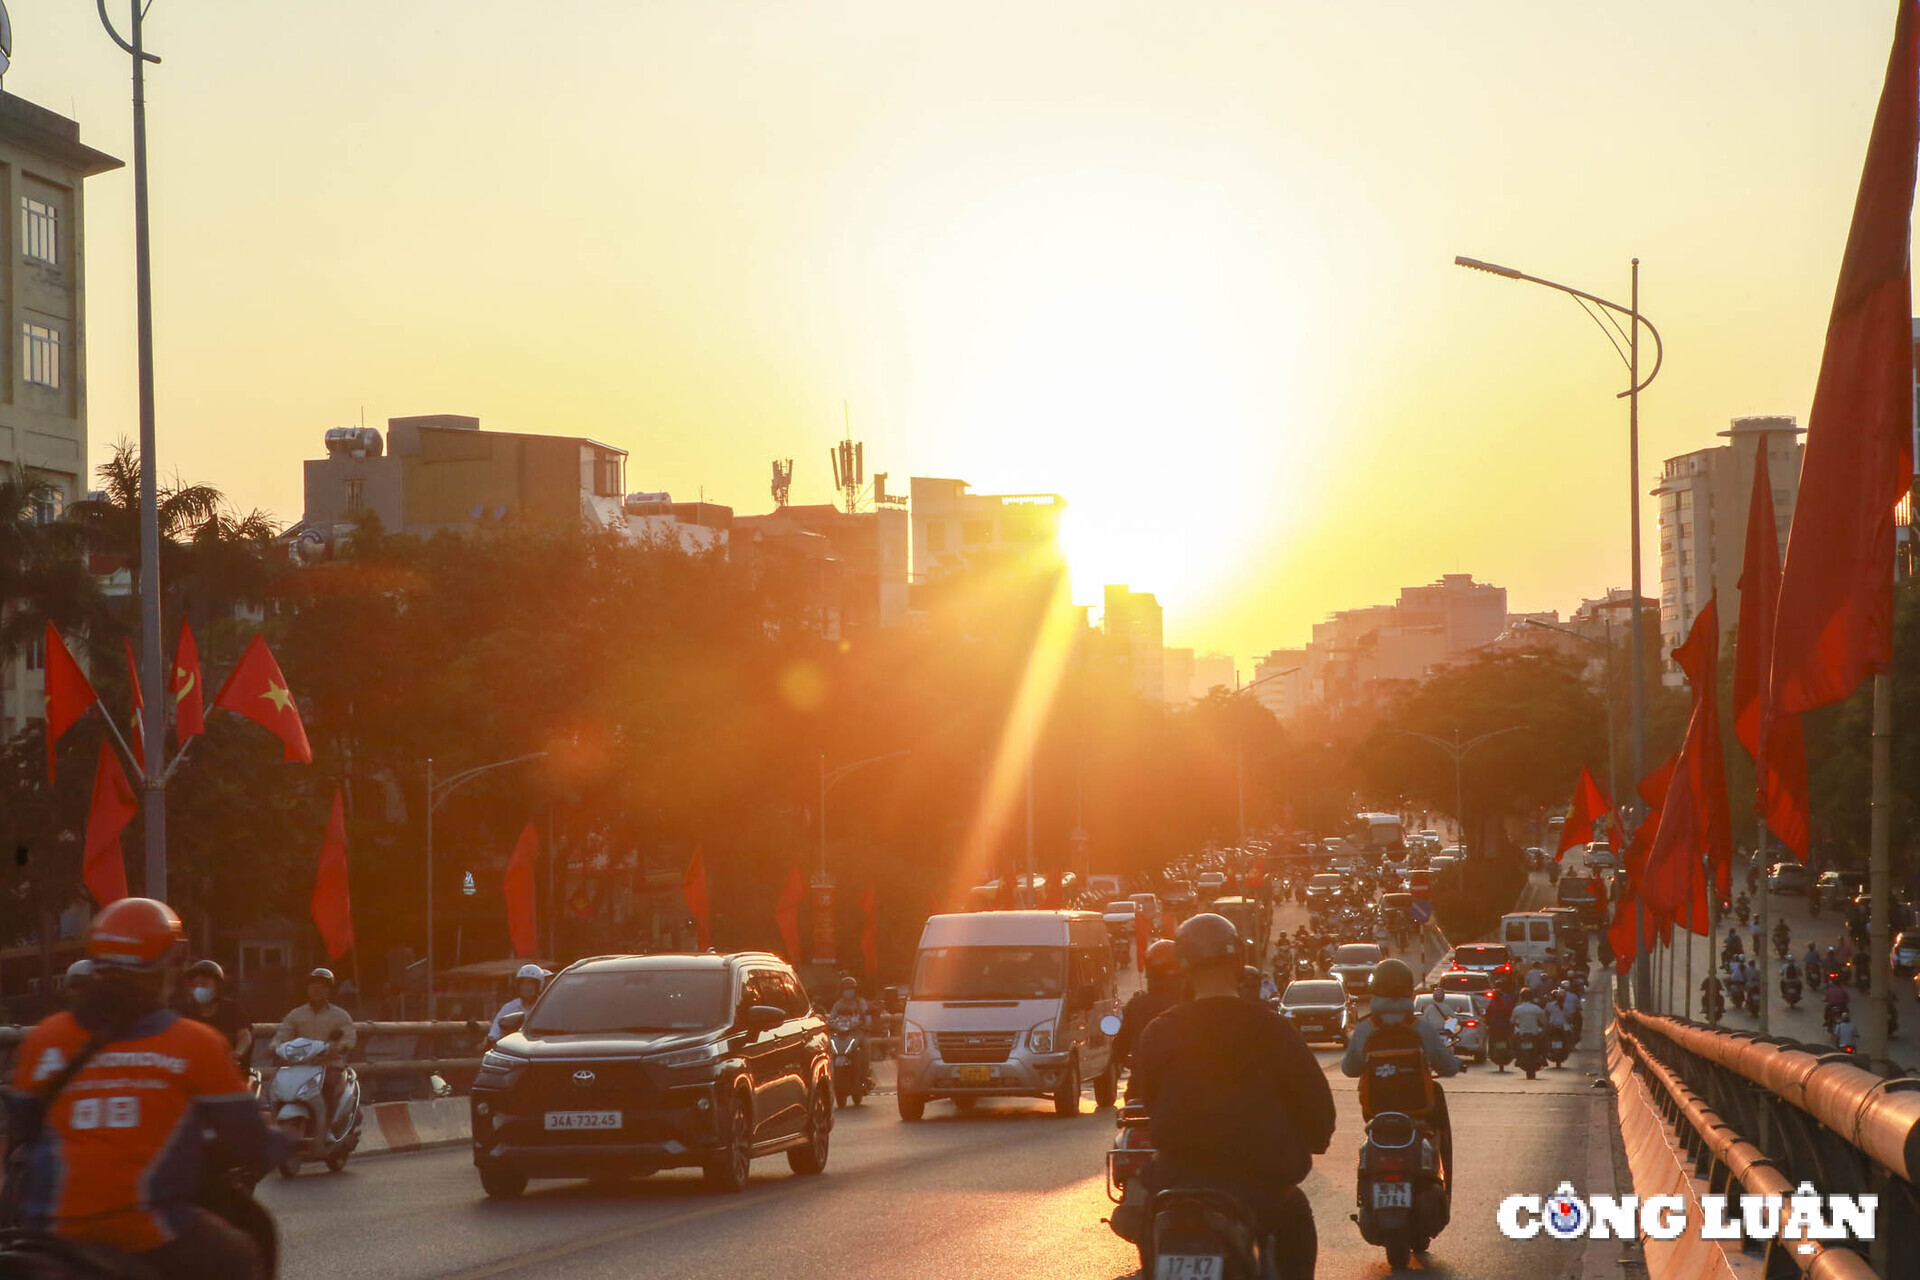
(1007, 1004)
(1529, 935)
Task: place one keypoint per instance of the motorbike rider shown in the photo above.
(78, 983)
(1390, 1030)
(1839, 1000)
(1236, 1099)
(1844, 1036)
(852, 1005)
(321, 1019)
(1161, 994)
(528, 981)
(207, 1001)
(1711, 994)
(1783, 937)
(121, 1099)
(1529, 1017)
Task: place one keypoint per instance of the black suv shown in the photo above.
(629, 1064)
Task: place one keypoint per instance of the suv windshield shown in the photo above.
(633, 1000)
(990, 973)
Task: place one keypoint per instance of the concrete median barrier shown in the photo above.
(415, 1126)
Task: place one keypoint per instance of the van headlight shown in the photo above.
(913, 1041)
(1040, 1037)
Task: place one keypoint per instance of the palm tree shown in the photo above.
(112, 519)
(43, 577)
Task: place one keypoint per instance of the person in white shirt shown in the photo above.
(1529, 1019)
(1843, 1032)
(529, 980)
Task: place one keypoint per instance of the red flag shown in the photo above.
(1779, 750)
(522, 920)
(693, 886)
(1589, 803)
(256, 689)
(1621, 934)
(139, 707)
(787, 914)
(1694, 823)
(869, 930)
(332, 904)
(1834, 623)
(189, 716)
(69, 693)
(104, 869)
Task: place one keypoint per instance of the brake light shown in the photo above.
(1386, 1163)
(1471, 1022)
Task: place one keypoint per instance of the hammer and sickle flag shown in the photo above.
(189, 717)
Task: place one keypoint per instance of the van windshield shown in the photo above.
(990, 973)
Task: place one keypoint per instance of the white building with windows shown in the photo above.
(43, 384)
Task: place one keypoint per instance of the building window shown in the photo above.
(41, 358)
(606, 477)
(936, 536)
(356, 495)
(975, 532)
(37, 653)
(40, 230)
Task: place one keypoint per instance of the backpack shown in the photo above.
(1394, 1075)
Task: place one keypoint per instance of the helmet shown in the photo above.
(206, 969)
(849, 983)
(322, 975)
(1206, 939)
(1160, 959)
(138, 935)
(79, 971)
(526, 973)
(1391, 978)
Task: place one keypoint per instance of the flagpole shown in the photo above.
(1878, 886)
(1765, 941)
(432, 1005)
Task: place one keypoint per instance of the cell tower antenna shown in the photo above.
(782, 481)
(849, 463)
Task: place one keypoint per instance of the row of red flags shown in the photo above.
(255, 688)
(1810, 632)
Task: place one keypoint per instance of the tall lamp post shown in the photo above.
(1239, 747)
(437, 793)
(152, 688)
(1459, 751)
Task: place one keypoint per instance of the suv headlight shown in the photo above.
(689, 1057)
(493, 1060)
(1040, 1037)
(913, 1040)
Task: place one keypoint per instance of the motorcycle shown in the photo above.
(1527, 1053)
(1832, 1014)
(296, 1098)
(1559, 1045)
(1736, 993)
(850, 1082)
(1401, 1193)
(1743, 910)
(1303, 968)
(1790, 991)
(1782, 946)
(1713, 1007)
(227, 1193)
(1127, 1163)
(1500, 1047)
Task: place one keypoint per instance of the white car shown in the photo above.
(1598, 857)
(1120, 911)
(1465, 1009)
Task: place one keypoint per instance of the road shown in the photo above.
(1011, 1190)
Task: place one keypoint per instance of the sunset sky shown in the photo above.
(1189, 265)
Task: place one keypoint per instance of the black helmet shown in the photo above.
(1206, 939)
(206, 969)
(1161, 962)
(322, 975)
(1391, 978)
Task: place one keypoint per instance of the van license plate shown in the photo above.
(1392, 1195)
(583, 1119)
(1188, 1266)
(976, 1075)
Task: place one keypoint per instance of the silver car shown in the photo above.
(1468, 1010)
(1353, 964)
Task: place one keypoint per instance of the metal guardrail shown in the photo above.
(1767, 1115)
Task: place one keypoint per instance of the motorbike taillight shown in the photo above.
(1389, 1161)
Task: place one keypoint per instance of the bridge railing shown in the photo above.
(1760, 1117)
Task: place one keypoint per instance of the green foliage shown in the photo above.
(1470, 897)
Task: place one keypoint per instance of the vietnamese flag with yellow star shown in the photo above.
(257, 690)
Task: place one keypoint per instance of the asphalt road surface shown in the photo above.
(1009, 1191)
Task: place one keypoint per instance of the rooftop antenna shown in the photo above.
(849, 464)
(782, 480)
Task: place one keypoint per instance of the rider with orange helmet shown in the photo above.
(1162, 993)
(121, 1095)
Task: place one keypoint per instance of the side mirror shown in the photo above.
(439, 1087)
(512, 1022)
(764, 1017)
(1109, 1026)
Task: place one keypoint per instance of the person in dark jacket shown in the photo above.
(1236, 1098)
(1162, 993)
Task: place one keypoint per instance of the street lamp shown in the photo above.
(1613, 788)
(437, 794)
(1239, 746)
(1459, 751)
(1631, 357)
(153, 690)
(829, 779)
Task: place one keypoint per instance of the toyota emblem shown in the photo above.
(583, 1078)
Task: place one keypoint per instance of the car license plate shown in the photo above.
(1392, 1195)
(976, 1075)
(583, 1119)
(1188, 1266)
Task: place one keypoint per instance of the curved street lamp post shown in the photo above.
(437, 793)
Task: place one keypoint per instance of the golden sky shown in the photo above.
(1188, 264)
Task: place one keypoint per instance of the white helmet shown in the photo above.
(531, 973)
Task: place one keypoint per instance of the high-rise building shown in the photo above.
(1213, 671)
(1133, 626)
(1280, 682)
(43, 387)
(1177, 680)
(1703, 522)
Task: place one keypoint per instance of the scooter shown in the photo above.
(1401, 1191)
(1500, 1048)
(1713, 1007)
(1559, 1045)
(295, 1096)
(1790, 991)
(1127, 1163)
(1527, 1053)
(850, 1082)
(227, 1193)
(1781, 946)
